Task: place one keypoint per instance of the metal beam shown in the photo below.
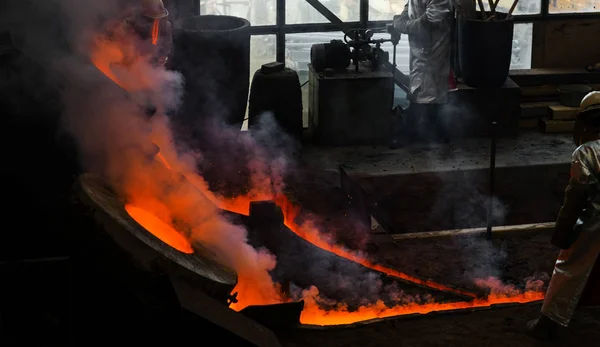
(322, 9)
(364, 12)
(280, 24)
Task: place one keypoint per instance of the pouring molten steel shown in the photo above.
(108, 53)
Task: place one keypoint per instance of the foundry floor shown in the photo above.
(494, 328)
(442, 186)
(514, 259)
(527, 149)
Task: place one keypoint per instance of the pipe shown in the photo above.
(492, 179)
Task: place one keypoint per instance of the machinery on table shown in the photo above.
(351, 89)
(356, 48)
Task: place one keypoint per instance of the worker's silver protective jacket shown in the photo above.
(577, 231)
(428, 24)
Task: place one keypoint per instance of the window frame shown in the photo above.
(280, 28)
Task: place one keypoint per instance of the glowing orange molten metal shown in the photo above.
(313, 314)
(160, 229)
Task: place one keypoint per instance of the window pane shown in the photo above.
(523, 6)
(562, 6)
(300, 11)
(258, 12)
(522, 43)
(262, 51)
(385, 9)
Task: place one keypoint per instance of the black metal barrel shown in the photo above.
(213, 55)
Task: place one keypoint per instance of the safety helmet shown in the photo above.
(154, 9)
(590, 102)
(587, 124)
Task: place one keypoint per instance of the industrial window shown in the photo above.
(258, 12)
(301, 12)
(385, 9)
(296, 29)
(573, 6)
(262, 51)
(523, 6)
(522, 46)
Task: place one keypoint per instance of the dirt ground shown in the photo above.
(459, 261)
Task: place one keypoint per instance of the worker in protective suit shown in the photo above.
(428, 24)
(577, 230)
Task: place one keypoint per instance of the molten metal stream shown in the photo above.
(313, 314)
(160, 229)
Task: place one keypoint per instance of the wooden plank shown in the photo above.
(546, 90)
(505, 230)
(562, 112)
(557, 126)
(536, 77)
(536, 109)
(543, 90)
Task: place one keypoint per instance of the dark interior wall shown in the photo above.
(568, 43)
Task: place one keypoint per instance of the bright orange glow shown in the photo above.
(155, 32)
(160, 229)
(314, 315)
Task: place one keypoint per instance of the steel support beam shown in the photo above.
(280, 33)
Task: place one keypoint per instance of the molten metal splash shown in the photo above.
(160, 229)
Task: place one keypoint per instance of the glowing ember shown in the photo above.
(160, 229)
